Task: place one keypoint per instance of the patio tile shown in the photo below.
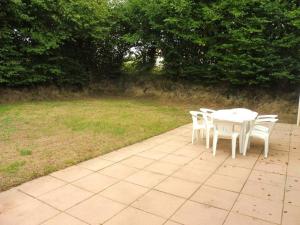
(175, 159)
(192, 174)
(234, 171)
(177, 187)
(169, 222)
(124, 192)
(180, 140)
(194, 147)
(279, 146)
(11, 199)
(117, 156)
(71, 173)
(260, 202)
(137, 147)
(293, 183)
(41, 185)
(95, 164)
(166, 148)
(292, 197)
(96, 210)
(137, 162)
(151, 154)
(160, 139)
(238, 219)
(148, 144)
(294, 148)
(247, 161)
(63, 219)
(203, 165)
(271, 167)
(218, 158)
(118, 171)
(162, 167)
(189, 151)
(278, 139)
(31, 212)
(215, 197)
(145, 178)
(225, 182)
(279, 157)
(293, 170)
(132, 216)
(159, 203)
(192, 213)
(294, 157)
(65, 197)
(259, 208)
(95, 182)
(262, 190)
(267, 178)
(291, 215)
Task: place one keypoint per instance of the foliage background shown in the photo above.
(246, 43)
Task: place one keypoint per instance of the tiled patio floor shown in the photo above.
(167, 180)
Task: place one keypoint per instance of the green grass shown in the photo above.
(25, 151)
(12, 168)
(37, 138)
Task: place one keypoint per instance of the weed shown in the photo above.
(25, 151)
(12, 168)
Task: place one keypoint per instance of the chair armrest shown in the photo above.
(264, 120)
(261, 128)
(196, 113)
(207, 110)
(267, 116)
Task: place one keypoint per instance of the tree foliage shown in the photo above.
(240, 43)
(44, 41)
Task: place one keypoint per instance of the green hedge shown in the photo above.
(238, 43)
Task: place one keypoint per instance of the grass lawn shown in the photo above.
(37, 138)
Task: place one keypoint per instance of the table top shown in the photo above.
(236, 115)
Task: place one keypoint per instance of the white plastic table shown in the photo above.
(240, 116)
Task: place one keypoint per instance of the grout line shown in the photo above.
(188, 199)
(255, 196)
(239, 193)
(93, 194)
(119, 180)
(282, 211)
(151, 188)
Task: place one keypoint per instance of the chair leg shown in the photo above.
(207, 137)
(247, 141)
(193, 134)
(233, 147)
(240, 143)
(266, 151)
(241, 138)
(215, 142)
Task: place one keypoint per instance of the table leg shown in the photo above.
(242, 137)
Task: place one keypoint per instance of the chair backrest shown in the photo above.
(224, 128)
(267, 121)
(267, 117)
(195, 117)
(205, 110)
(207, 114)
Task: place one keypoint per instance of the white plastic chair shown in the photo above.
(226, 130)
(205, 110)
(203, 127)
(209, 123)
(197, 126)
(262, 129)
